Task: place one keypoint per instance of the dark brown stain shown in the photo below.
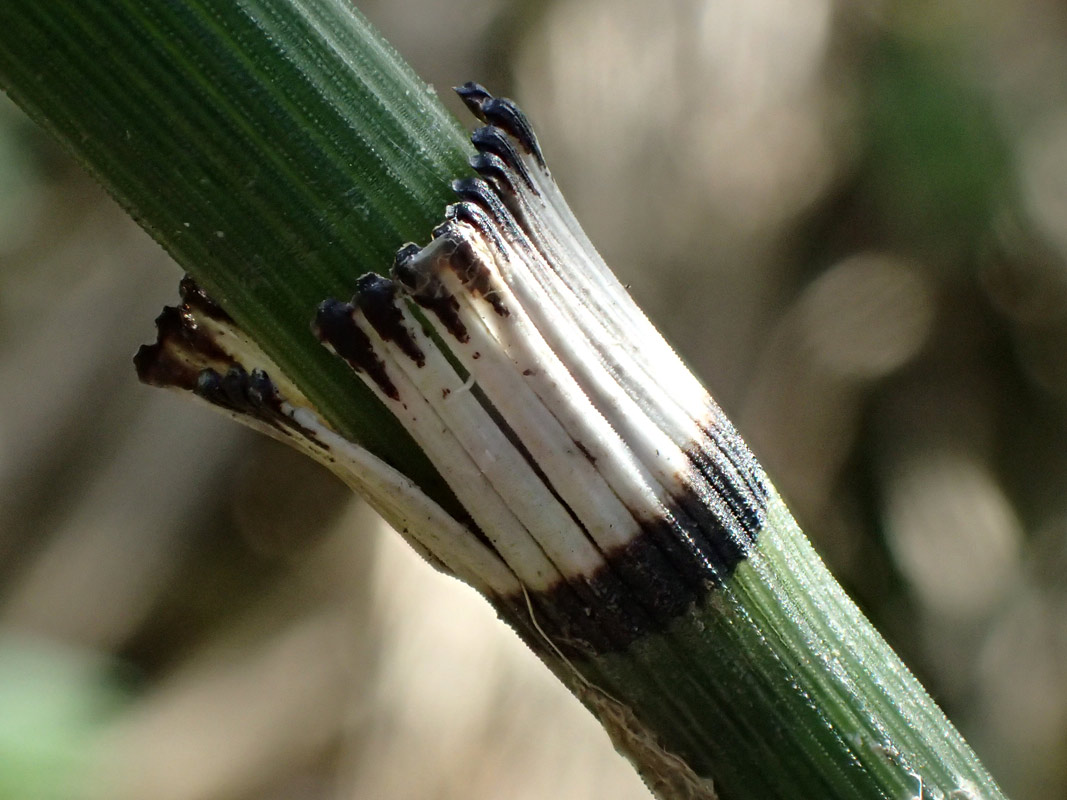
(376, 297)
(426, 289)
(476, 275)
(334, 326)
(182, 347)
(584, 450)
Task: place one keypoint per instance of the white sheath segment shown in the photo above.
(591, 465)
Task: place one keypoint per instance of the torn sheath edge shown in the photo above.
(607, 493)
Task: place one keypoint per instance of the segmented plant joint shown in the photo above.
(605, 489)
(611, 513)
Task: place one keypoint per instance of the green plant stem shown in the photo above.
(276, 150)
(280, 148)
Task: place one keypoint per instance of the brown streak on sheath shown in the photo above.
(475, 274)
(194, 297)
(498, 157)
(334, 326)
(426, 289)
(183, 348)
(490, 214)
(472, 214)
(584, 450)
(376, 298)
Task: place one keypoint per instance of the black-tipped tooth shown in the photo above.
(193, 296)
(209, 387)
(475, 275)
(376, 297)
(252, 393)
(235, 387)
(406, 253)
(335, 327)
(474, 96)
(489, 213)
(442, 229)
(479, 193)
(333, 324)
(261, 389)
(474, 190)
(497, 155)
(410, 271)
(417, 273)
(503, 113)
(496, 173)
(501, 178)
(473, 215)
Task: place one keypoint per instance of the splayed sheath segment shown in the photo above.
(581, 446)
(606, 492)
(200, 349)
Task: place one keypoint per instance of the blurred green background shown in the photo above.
(851, 218)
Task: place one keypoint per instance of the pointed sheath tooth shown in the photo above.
(490, 215)
(491, 141)
(406, 252)
(610, 299)
(235, 385)
(661, 386)
(261, 389)
(504, 114)
(475, 216)
(437, 230)
(476, 191)
(492, 169)
(474, 96)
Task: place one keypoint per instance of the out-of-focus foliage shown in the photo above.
(851, 219)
